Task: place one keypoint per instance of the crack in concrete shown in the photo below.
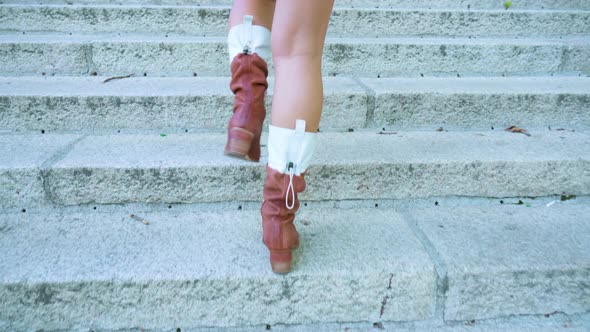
(564, 58)
(46, 166)
(386, 297)
(383, 304)
(87, 49)
(442, 282)
(370, 93)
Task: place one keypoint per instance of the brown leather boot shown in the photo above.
(278, 213)
(249, 84)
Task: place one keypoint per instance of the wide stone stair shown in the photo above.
(421, 211)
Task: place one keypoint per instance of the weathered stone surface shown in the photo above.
(202, 20)
(360, 165)
(480, 102)
(108, 271)
(512, 260)
(42, 55)
(365, 57)
(21, 160)
(85, 104)
(440, 4)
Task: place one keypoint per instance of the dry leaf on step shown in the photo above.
(515, 129)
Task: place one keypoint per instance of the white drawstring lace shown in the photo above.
(248, 34)
(290, 188)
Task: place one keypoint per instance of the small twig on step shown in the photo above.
(117, 77)
(139, 219)
(515, 129)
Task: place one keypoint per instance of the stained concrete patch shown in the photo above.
(210, 269)
(512, 260)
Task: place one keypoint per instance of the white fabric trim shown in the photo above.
(255, 37)
(290, 145)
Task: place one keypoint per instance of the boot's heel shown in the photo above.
(254, 154)
(239, 143)
(281, 260)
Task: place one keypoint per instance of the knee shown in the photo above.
(295, 46)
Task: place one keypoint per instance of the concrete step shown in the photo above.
(101, 270)
(167, 103)
(345, 22)
(70, 169)
(85, 104)
(422, 4)
(106, 54)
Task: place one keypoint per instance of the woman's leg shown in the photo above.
(297, 41)
(249, 51)
(262, 10)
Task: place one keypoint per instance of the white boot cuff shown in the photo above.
(255, 38)
(290, 145)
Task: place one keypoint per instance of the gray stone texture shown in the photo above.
(109, 271)
(86, 104)
(42, 56)
(480, 102)
(201, 20)
(185, 168)
(21, 163)
(72, 259)
(365, 57)
(512, 260)
(424, 4)
(175, 104)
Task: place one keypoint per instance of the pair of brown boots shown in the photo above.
(289, 150)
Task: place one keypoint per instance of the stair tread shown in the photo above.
(197, 261)
(192, 261)
(362, 146)
(180, 245)
(211, 85)
(191, 167)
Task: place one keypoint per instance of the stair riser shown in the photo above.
(364, 60)
(359, 181)
(212, 21)
(176, 113)
(72, 186)
(440, 4)
(191, 168)
(224, 302)
(341, 111)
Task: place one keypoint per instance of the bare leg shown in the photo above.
(297, 43)
(262, 10)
